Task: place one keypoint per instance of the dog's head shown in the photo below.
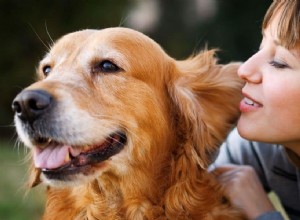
(112, 100)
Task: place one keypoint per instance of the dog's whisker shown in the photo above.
(17, 144)
(7, 126)
(38, 36)
(123, 21)
(47, 31)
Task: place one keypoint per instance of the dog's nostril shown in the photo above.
(16, 107)
(37, 104)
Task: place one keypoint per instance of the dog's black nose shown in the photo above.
(30, 104)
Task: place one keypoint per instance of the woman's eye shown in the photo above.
(105, 66)
(46, 70)
(278, 65)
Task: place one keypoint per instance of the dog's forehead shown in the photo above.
(118, 38)
(122, 45)
(71, 41)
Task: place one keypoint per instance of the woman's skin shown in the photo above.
(272, 75)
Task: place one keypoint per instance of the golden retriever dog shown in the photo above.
(120, 130)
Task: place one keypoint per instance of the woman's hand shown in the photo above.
(244, 189)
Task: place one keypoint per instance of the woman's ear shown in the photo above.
(206, 96)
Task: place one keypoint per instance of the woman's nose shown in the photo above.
(250, 70)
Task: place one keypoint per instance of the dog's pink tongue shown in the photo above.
(51, 157)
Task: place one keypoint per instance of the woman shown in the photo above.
(263, 154)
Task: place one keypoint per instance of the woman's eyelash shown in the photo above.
(278, 65)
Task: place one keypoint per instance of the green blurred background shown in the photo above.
(181, 27)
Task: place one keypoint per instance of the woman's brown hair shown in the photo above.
(289, 22)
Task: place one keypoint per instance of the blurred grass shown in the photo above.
(277, 204)
(15, 204)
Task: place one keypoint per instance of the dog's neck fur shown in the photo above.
(105, 198)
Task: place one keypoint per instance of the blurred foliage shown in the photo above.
(27, 25)
(15, 202)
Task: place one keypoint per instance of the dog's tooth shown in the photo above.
(67, 158)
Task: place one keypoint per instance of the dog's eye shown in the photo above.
(46, 70)
(105, 66)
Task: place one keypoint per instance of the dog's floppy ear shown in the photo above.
(206, 96)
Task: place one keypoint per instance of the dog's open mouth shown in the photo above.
(57, 161)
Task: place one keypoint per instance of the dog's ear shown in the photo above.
(206, 97)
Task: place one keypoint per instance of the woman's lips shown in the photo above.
(247, 105)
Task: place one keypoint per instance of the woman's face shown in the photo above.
(271, 107)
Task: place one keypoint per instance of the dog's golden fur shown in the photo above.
(174, 113)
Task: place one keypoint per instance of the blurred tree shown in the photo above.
(233, 26)
(237, 28)
(181, 27)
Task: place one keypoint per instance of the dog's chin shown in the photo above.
(74, 180)
(74, 176)
(85, 165)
